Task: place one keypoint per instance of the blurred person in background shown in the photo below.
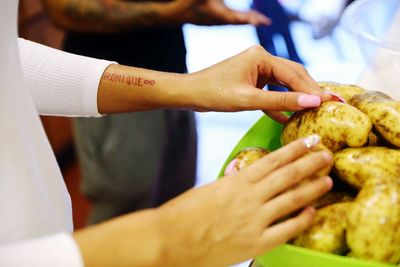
(138, 160)
(280, 27)
(321, 16)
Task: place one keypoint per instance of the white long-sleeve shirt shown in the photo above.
(35, 208)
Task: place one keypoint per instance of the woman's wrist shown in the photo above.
(128, 89)
(129, 240)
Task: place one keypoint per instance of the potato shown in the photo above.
(327, 231)
(373, 231)
(384, 113)
(245, 158)
(346, 91)
(339, 125)
(368, 227)
(356, 165)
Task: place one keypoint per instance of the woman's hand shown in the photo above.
(234, 85)
(237, 218)
(228, 221)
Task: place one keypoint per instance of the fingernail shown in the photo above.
(309, 101)
(327, 156)
(336, 97)
(231, 169)
(312, 140)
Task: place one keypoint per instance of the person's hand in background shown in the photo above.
(214, 12)
(226, 222)
(112, 16)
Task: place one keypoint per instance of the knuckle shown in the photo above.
(319, 158)
(282, 101)
(296, 170)
(257, 50)
(299, 147)
(273, 163)
(292, 78)
(297, 198)
(302, 69)
(246, 100)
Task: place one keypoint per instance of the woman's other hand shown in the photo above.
(238, 217)
(226, 222)
(235, 84)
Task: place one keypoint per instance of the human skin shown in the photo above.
(228, 221)
(119, 16)
(183, 232)
(232, 219)
(231, 85)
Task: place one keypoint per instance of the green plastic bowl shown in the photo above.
(266, 133)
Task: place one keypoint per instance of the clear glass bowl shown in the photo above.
(376, 25)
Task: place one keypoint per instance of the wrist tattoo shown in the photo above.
(128, 79)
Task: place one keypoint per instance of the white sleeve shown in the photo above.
(58, 250)
(61, 83)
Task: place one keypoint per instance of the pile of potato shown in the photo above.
(360, 217)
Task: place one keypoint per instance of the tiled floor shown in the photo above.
(334, 58)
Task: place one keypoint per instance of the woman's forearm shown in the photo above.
(70, 85)
(130, 240)
(127, 89)
(231, 85)
(107, 16)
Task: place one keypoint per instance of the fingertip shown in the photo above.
(267, 21)
(304, 219)
(328, 181)
(262, 20)
(309, 210)
(308, 213)
(311, 141)
(231, 168)
(327, 156)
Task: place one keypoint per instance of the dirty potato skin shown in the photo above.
(384, 113)
(373, 230)
(327, 231)
(356, 165)
(248, 156)
(346, 91)
(339, 125)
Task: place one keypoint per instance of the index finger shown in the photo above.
(281, 157)
(295, 77)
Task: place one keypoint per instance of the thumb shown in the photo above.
(286, 101)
